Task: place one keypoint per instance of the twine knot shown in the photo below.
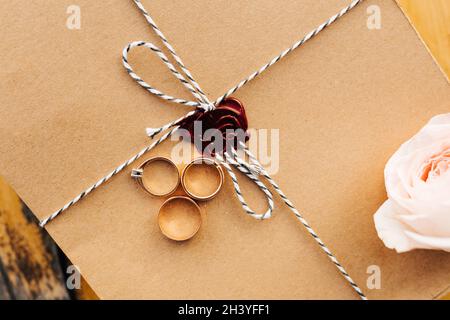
(253, 169)
(207, 106)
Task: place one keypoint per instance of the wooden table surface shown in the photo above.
(431, 19)
(31, 266)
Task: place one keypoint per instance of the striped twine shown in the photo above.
(305, 223)
(253, 169)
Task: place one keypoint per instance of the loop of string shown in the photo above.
(252, 169)
(201, 102)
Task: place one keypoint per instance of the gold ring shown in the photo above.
(157, 176)
(179, 218)
(196, 179)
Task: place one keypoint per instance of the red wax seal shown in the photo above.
(228, 119)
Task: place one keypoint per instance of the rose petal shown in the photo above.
(417, 178)
(429, 242)
(390, 230)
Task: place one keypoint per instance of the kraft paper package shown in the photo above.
(343, 103)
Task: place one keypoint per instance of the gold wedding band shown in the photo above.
(202, 179)
(179, 218)
(161, 180)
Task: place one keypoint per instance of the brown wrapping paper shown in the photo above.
(344, 102)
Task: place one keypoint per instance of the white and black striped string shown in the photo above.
(253, 169)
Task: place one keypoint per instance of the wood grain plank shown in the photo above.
(431, 19)
(29, 263)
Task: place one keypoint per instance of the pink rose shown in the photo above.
(417, 212)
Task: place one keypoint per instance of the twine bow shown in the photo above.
(252, 169)
(230, 156)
